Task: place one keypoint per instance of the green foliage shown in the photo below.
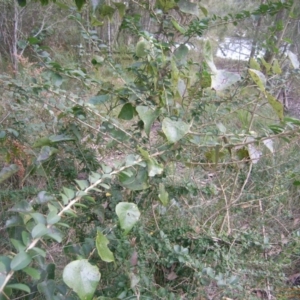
(181, 175)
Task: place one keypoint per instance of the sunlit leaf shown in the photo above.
(101, 245)
(254, 64)
(46, 153)
(222, 79)
(44, 197)
(82, 278)
(174, 130)
(154, 168)
(22, 206)
(294, 59)
(254, 153)
(128, 214)
(276, 105)
(137, 180)
(259, 78)
(269, 144)
(276, 67)
(189, 7)
(163, 194)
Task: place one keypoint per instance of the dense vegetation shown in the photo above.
(135, 164)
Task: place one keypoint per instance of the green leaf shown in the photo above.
(33, 40)
(127, 112)
(39, 251)
(204, 10)
(22, 3)
(4, 264)
(19, 286)
(165, 5)
(128, 214)
(69, 193)
(53, 218)
(39, 230)
(2, 134)
(254, 64)
(174, 130)
(55, 234)
(44, 197)
(181, 53)
(121, 8)
(14, 221)
(97, 23)
(56, 79)
(47, 288)
(83, 184)
(148, 117)
(18, 245)
(222, 79)
(45, 153)
(79, 3)
(44, 141)
(101, 245)
(137, 180)
(26, 238)
(7, 172)
(82, 277)
(97, 59)
(20, 261)
(276, 67)
(100, 99)
(189, 7)
(163, 194)
(276, 105)
(259, 78)
(177, 26)
(33, 273)
(23, 207)
(106, 11)
(208, 56)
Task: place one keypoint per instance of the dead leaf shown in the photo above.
(172, 276)
(134, 258)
